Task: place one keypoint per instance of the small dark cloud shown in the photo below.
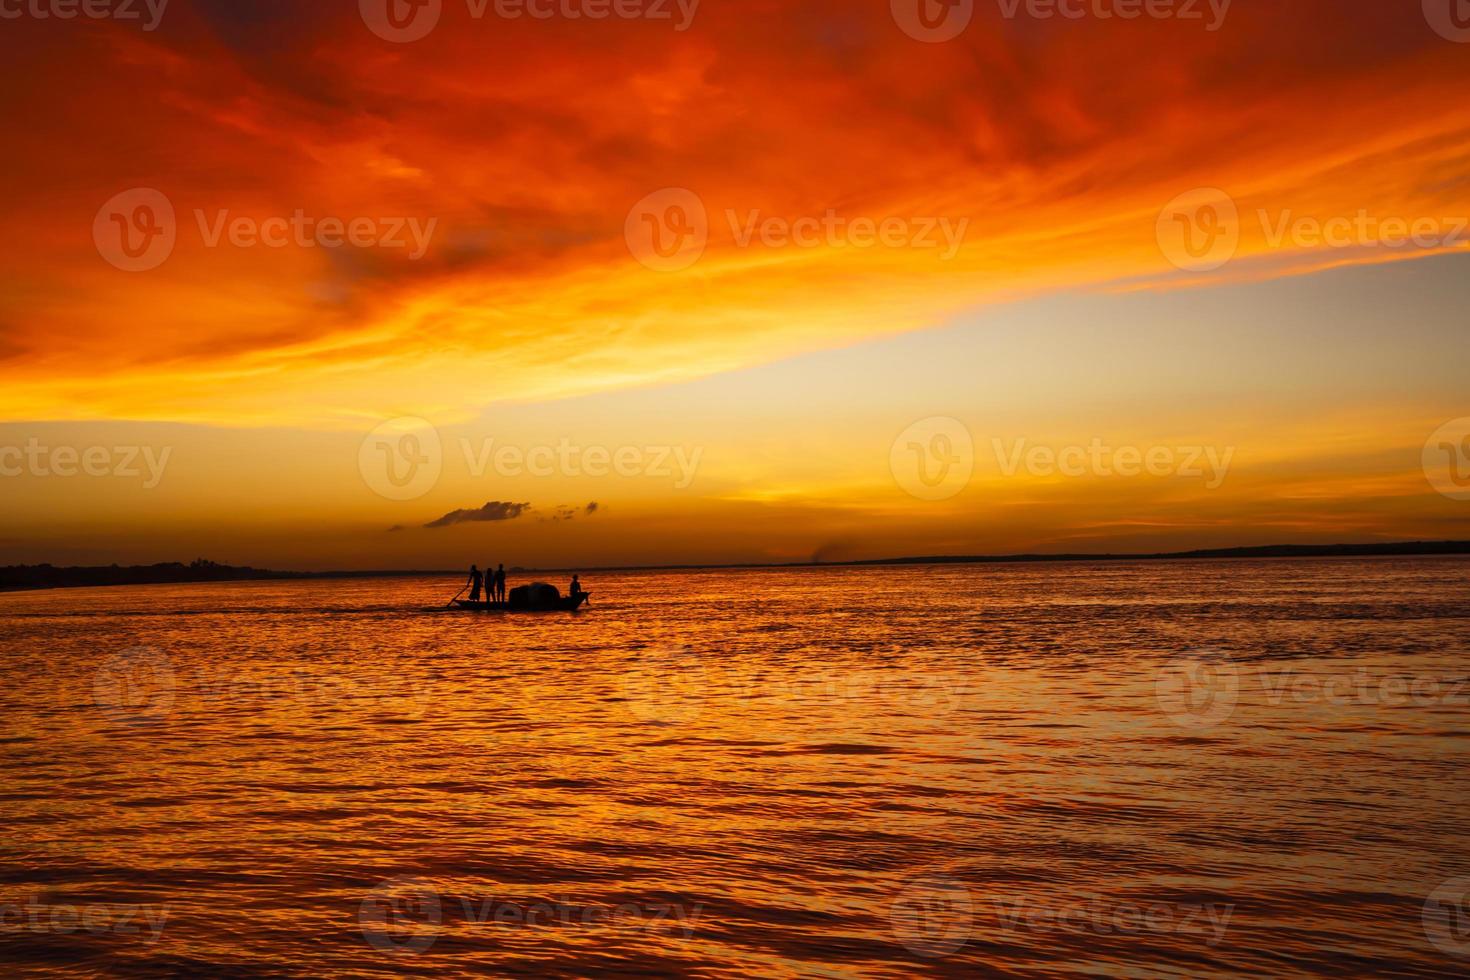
(566, 512)
(495, 510)
(395, 527)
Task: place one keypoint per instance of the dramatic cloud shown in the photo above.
(493, 166)
(309, 229)
(495, 510)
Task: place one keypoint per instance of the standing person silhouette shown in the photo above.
(500, 585)
(475, 580)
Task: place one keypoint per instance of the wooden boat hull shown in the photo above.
(565, 604)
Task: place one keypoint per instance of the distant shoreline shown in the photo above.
(31, 578)
(1406, 549)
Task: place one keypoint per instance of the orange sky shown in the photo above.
(515, 149)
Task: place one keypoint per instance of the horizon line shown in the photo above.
(1445, 548)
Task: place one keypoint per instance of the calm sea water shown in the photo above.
(1148, 770)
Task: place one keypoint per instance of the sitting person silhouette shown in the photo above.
(576, 586)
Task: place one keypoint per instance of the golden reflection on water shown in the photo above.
(1141, 768)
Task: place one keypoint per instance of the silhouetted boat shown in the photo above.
(536, 597)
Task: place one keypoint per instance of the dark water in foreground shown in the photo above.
(1153, 770)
